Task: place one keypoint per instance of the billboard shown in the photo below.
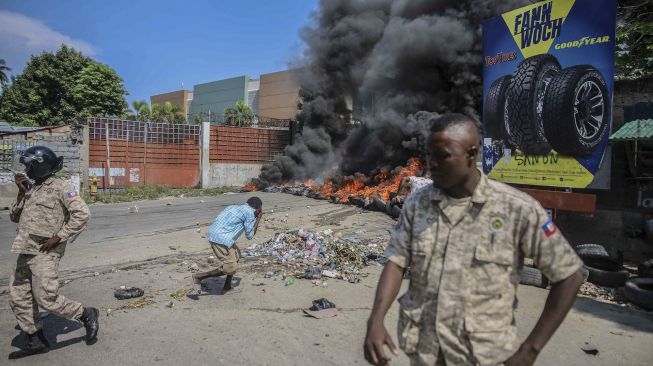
(548, 75)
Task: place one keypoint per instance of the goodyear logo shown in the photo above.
(535, 27)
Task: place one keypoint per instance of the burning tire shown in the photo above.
(495, 127)
(576, 110)
(525, 103)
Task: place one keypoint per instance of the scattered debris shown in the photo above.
(211, 259)
(289, 281)
(321, 314)
(133, 209)
(354, 280)
(124, 293)
(322, 308)
(96, 274)
(321, 304)
(168, 203)
(330, 274)
(172, 248)
(194, 267)
(170, 304)
(311, 255)
(181, 293)
(589, 348)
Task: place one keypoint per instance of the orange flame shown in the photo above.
(387, 184)
(250, 187)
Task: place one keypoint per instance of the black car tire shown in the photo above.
(605, 278)
(576, 110)
(600, 256)
(639, 291)
(495, 105)
(645, 269)
(533, 277)
(525, 98)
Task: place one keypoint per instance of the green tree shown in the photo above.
(55, 88)
(239, 115)
(4, 80)
(99, 91)
(634, 39)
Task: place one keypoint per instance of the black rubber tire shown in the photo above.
(599, 256)
(645, 269)
(560, 110)
(639, 291)
(495, 105)
(605, 278)
(533, 277)
(524, 124)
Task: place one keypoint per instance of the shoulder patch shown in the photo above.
(549, 228)
(72, 194)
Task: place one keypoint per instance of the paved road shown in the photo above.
(115, 235)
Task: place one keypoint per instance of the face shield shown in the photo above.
(17, 166)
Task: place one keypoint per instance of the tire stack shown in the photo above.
(543, 106)
(604, 267)
(639, 290)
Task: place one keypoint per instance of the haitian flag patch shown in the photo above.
(549, 228)
(71, 194)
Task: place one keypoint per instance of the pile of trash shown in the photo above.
(313, 255)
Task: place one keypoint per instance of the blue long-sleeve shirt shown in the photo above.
(231, 223)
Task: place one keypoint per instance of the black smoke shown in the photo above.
(390, 65)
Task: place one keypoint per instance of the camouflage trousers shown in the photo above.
(34, 283)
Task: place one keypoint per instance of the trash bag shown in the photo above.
(128, 293)
(313, 273)
(321, 304)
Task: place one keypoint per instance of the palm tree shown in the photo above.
(4, 80)
(138, 105)
(240, 115)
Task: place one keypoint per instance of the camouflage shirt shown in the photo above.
(464, 274)
(52, 208)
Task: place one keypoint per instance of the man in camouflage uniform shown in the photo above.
(49, 214)
(465, 239)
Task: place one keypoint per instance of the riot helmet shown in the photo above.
(40, 162)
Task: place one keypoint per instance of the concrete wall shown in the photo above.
(278, 95)
(179, 97)
(218, 95)
(225, 174)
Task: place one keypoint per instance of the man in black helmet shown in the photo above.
(49, 213)
(226, 228)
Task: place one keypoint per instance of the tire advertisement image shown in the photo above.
(548, 75)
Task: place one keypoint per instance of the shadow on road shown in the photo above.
(213, 287)
(626, 317)
(53, 326)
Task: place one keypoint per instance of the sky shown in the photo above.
(155, 46)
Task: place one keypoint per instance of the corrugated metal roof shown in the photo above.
(638, 129)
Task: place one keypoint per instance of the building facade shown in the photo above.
(279, 95)
(178, 97)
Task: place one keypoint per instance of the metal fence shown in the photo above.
(136, 131)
